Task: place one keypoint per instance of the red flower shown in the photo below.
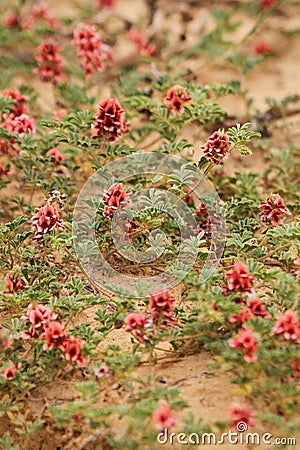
(72, 348)
(106, 4)
(59, 113)
(204, 219)
(37, 317)
(164, 417)
(214, 307)
(40, 12)
(115, 197)
(10, 371)
(16, 120)
(19, 107)
(296, 367)
(19, 124)
(288, 325)
(216, 147)
(101, 372)
(110, 120)
(16, 21)
(91, 51)
(54, 335)
(128, 227)
(49, 62)
(244, 315)
(57, 156)
(272, 208)
(136, 323)
(257, 308)
(247, 342)
(265, 4)
(4, 170)
(135, 320)
(139, 37)
(176, 97)
(46, 220)
(261, 48)
(239, 278)
(242, 413)
(161, 307)
(13, 285)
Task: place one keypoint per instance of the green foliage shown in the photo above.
(240, 136)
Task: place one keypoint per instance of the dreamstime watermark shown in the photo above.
(159, 168)
(239, 437)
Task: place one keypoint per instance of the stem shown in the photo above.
(208, 168)
(273, 252)
(263, 15)
(95, 286)
(150, 144)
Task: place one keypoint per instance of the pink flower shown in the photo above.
(57, 156)
(139, 37)
(40, 12)
(242, 413)
(72, 349)
(49, 62)
(261, 48)
(176, 97)
(216, 147)
(161, 307)
(19, 124)
(101, 372)
(244, 315)
(37, 316)
(46, 220)
(91, 51)
(288, 325)
(16, 21)
(128, 227)
(59, 113)
(10, 371)
(164, 417)
(115, 197)
(257, 308)
(247, 342)
(135, 320)
(239, 278)
(135, 323)
(13, 284)
(19, 107)
(54, 335)
(110, 4)
(215, 307)
(15, 121)
(110, 120)
(272, 208)
(4, 170)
